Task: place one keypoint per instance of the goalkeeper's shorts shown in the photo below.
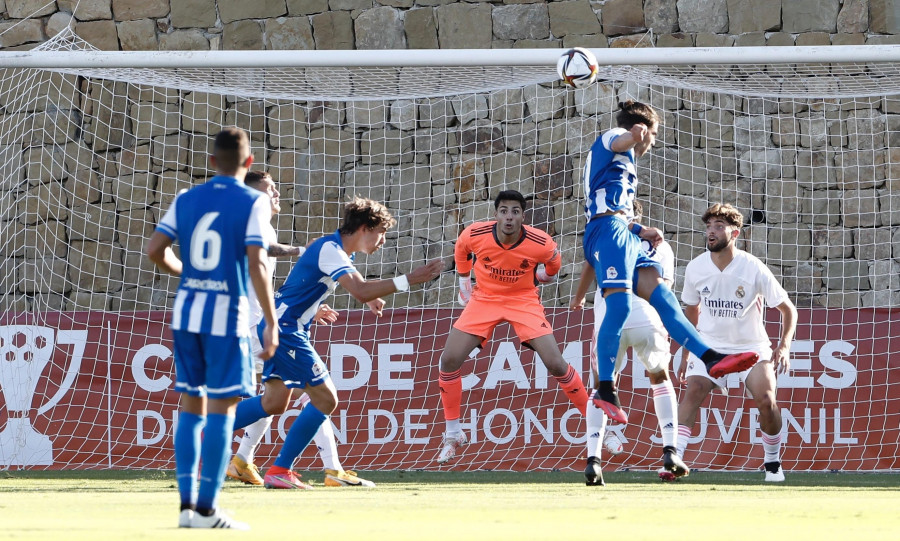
(526, 315)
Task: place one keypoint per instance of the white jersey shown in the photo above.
(731, 302)
(256, 314)
(642, 314)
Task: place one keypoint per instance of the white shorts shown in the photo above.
(649, 344)
(696, 367)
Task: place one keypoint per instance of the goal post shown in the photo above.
(94, 145)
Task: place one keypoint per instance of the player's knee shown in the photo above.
(450, 362)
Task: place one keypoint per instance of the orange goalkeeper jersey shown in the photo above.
(504, 270)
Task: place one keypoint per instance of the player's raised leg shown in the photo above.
(459, 345)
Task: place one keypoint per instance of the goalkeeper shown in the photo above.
(508, 259)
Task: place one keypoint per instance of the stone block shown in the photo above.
(620, 17)
(379, 28)
(573, 17)
(889, 206)
(810, 16)
(860, 209)
(132, 10)
(289, 33)
(483, 139)
(713, 40)
(306, 7)
(523, 21)
(703, 16)
(469, 178)
(853, 17)
(184, 40)
(522, 137)
(661, 16)
(29, 9)
(202, 112)
(634, 41)
(553, 177)
(367, 114)
(590, 41)
(20, 32)
(137, 35)
(753, 16)
(193, 13)
(780, 39)
(236, 10)
(96, 266)
(169, 152)
(551, 137)
(58, 22)
(848, 39)
(539, 214)
(510, 171)
(464, 26)
(674, 40)
(544, 103)
(87, 10)
(242, 35)
(428, 141)
(371, 182)
(101, 34)
(333, 30)
(411, 189)
(379, 146)
(788, 245)
(847, 275)
(435, 113)
(43, 275)
(872, 243)
(509, 106)
(402, 114)
(421, 29)
(810, 39)
(333, 142)
(288, 127)
(884, 16)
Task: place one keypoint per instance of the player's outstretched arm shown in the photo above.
(159, 251)
(365, 291)
(277, 249)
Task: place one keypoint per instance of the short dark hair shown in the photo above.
(255, 177)
(634, 112)
(510, 195)
(726, 212)
(231, 149)
(360, 212)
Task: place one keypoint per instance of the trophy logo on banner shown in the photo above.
(25, 351)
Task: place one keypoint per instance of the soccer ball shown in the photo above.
(577, 67)
(613, 444)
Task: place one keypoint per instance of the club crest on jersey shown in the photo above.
(611, 273)
(318, 368)
(525, 264)
(740, 292)
(705, 291)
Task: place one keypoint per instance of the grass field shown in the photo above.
(466, 506)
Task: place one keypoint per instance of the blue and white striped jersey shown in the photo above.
(312, 279)
(610, 178)
(214, 223)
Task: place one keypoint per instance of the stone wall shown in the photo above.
(446, 24)
(822, 237)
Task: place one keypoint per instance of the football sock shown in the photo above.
(772, 447)
(450, 384)
(298, 437)
(253, 434)
(215, 451)
(327, 447)
(680, 329)
(574, 388)
(596, 426)
(684, 433)
(665, 405)
(618, 307)
(187, 455)
(249, 411)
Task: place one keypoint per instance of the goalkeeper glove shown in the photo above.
(542, 276)
(465, 289)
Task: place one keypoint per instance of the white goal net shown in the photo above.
(90, 158)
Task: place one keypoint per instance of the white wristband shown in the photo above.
(401, 283)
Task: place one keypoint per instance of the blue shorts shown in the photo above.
(213, 366)
(615, 253)
(295, 362)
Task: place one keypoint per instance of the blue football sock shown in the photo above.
(187, 455)
(215, 452)
(681, 330)
(298, 437)
(248, 412)
(618, 307)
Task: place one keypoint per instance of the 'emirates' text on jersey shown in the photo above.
(213, 224)
(610, 177)
(312, 279)
(731, 301)
(504, 270)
